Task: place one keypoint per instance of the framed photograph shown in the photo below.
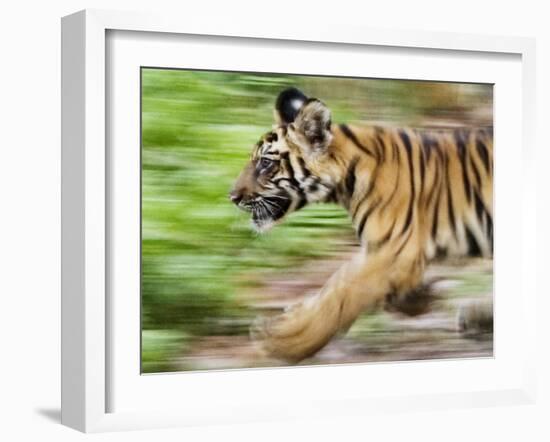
(264, 223)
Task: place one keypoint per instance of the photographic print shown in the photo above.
(296, 220)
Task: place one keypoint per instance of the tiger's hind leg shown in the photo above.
(473, 319)
(415, 302)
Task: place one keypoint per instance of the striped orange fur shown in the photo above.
(412, 195)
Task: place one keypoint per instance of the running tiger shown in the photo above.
(412, 195)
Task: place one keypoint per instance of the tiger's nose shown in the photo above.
(236, 196)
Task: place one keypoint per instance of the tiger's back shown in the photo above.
(412, 195)
(428, 187)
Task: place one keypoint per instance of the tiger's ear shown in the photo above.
(288, 104)
(313, 123)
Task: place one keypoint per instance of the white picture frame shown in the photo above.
(86, 357)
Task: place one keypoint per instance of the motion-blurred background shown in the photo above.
(206, 274)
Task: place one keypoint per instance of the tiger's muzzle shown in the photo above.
(265, 209)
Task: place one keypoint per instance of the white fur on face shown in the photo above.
(263, 225)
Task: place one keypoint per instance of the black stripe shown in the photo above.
(372, 182)
(294, 183)
(377, 244)
(405, 241)
(476, 172)
(348, 133)
(380, 132)
(436, 214)
(370, 189)
(479, 206)
(282, 203)
(369, 192)
(427, 143)
(484, 217)
(435, 183)
(302, 202)
(296, 186)
(408, 147)
(290, 171)
(439, 174)
(396, 186)
(350, 177)
(483, 154)
(382, 145)
(473, 246)
(365, 217)
(461, 149)
(305, 170)
(397, 150)
(422, 170)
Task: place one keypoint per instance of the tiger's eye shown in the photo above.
(265, 163)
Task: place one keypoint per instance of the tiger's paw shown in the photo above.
(475, 319)
(270, 339)
(413, 303)
(294, 335)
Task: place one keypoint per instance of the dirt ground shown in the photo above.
(386, 334)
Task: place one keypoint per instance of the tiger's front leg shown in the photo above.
(305, 328)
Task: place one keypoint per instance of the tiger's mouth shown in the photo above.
(266, 210)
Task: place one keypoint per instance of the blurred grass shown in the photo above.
(198, 129)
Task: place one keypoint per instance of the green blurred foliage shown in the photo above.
(198, 128)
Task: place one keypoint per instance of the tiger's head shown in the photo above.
(288, 166)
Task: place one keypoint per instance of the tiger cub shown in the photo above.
(412, 195)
